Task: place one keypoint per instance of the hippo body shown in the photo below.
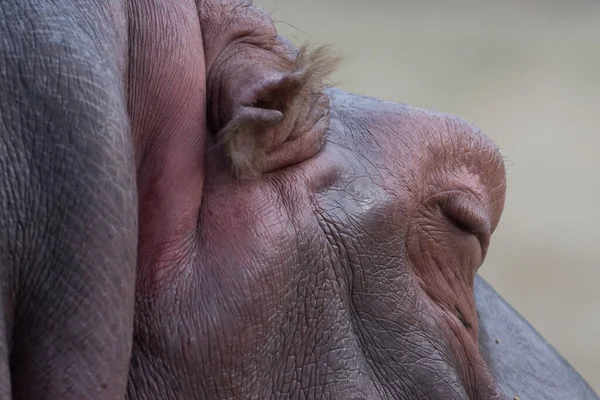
(190, 212)
(523, 362)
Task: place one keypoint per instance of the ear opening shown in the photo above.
(261, 97)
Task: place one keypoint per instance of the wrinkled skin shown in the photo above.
(327, 278)
(341, 267)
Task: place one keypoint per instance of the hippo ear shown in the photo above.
(261, 100)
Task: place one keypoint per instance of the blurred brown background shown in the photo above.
(528, 74)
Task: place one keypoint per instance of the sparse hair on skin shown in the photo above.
(281, 110)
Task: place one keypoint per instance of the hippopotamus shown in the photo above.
(191, 211)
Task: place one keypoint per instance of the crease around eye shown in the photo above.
(463, 212)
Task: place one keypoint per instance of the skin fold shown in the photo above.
(68, 201)
(190, 212)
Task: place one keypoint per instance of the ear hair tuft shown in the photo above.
(318, 63)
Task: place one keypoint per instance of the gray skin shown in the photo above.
(523, 362)
(342, 268)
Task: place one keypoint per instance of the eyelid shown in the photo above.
(463, 212)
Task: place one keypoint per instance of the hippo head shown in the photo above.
(293, 240)
(298, 241)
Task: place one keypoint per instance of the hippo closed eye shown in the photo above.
(293, 240)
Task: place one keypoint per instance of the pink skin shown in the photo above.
(343, 269)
